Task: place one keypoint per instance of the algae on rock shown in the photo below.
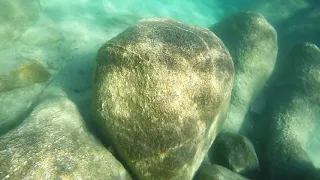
(19, 89)
(161, 91)
(53, 143)
(26, 75)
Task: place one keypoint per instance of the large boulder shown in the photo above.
(252, 43)
(236, 153)
(54, 143)
(300, 27)
(217, 172)
(294, 112)
(161, 90)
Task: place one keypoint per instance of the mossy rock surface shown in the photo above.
(27, 74)
(161, 91)
(19, 89)
(54, 143)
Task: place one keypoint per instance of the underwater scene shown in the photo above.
(160, 89)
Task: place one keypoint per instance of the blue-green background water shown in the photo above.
(82, 26)
(64, 36)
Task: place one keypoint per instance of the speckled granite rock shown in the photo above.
(294, 111)
(53, 143)
(161, 91)
(234, 152)
(217, 172)
(252, 43)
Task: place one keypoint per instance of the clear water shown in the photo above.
(64, 37)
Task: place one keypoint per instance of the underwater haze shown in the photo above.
(160, 89)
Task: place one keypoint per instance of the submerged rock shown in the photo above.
(161, 90)
(19, 89)
(217, 172)
(294, 112)
(252, 43)
(53, 143)
(234, 152)
(258, 135)
(26, 75)
(287, 159)
(16, 104)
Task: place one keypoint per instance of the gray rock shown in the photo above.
(19, 89)
(217, 172)
(294, 112)
(252, 43)
(53, 143)
(16, 104)
(234, 152)
(161, 91)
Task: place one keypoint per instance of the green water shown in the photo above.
(62, 38)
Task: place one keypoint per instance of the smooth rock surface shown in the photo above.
(16, 105)
(217, 172)
(161, 91)
(252, 43)
(234, 152)
(53, 143)
(294, 113)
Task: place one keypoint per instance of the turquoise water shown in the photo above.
(61, 38)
